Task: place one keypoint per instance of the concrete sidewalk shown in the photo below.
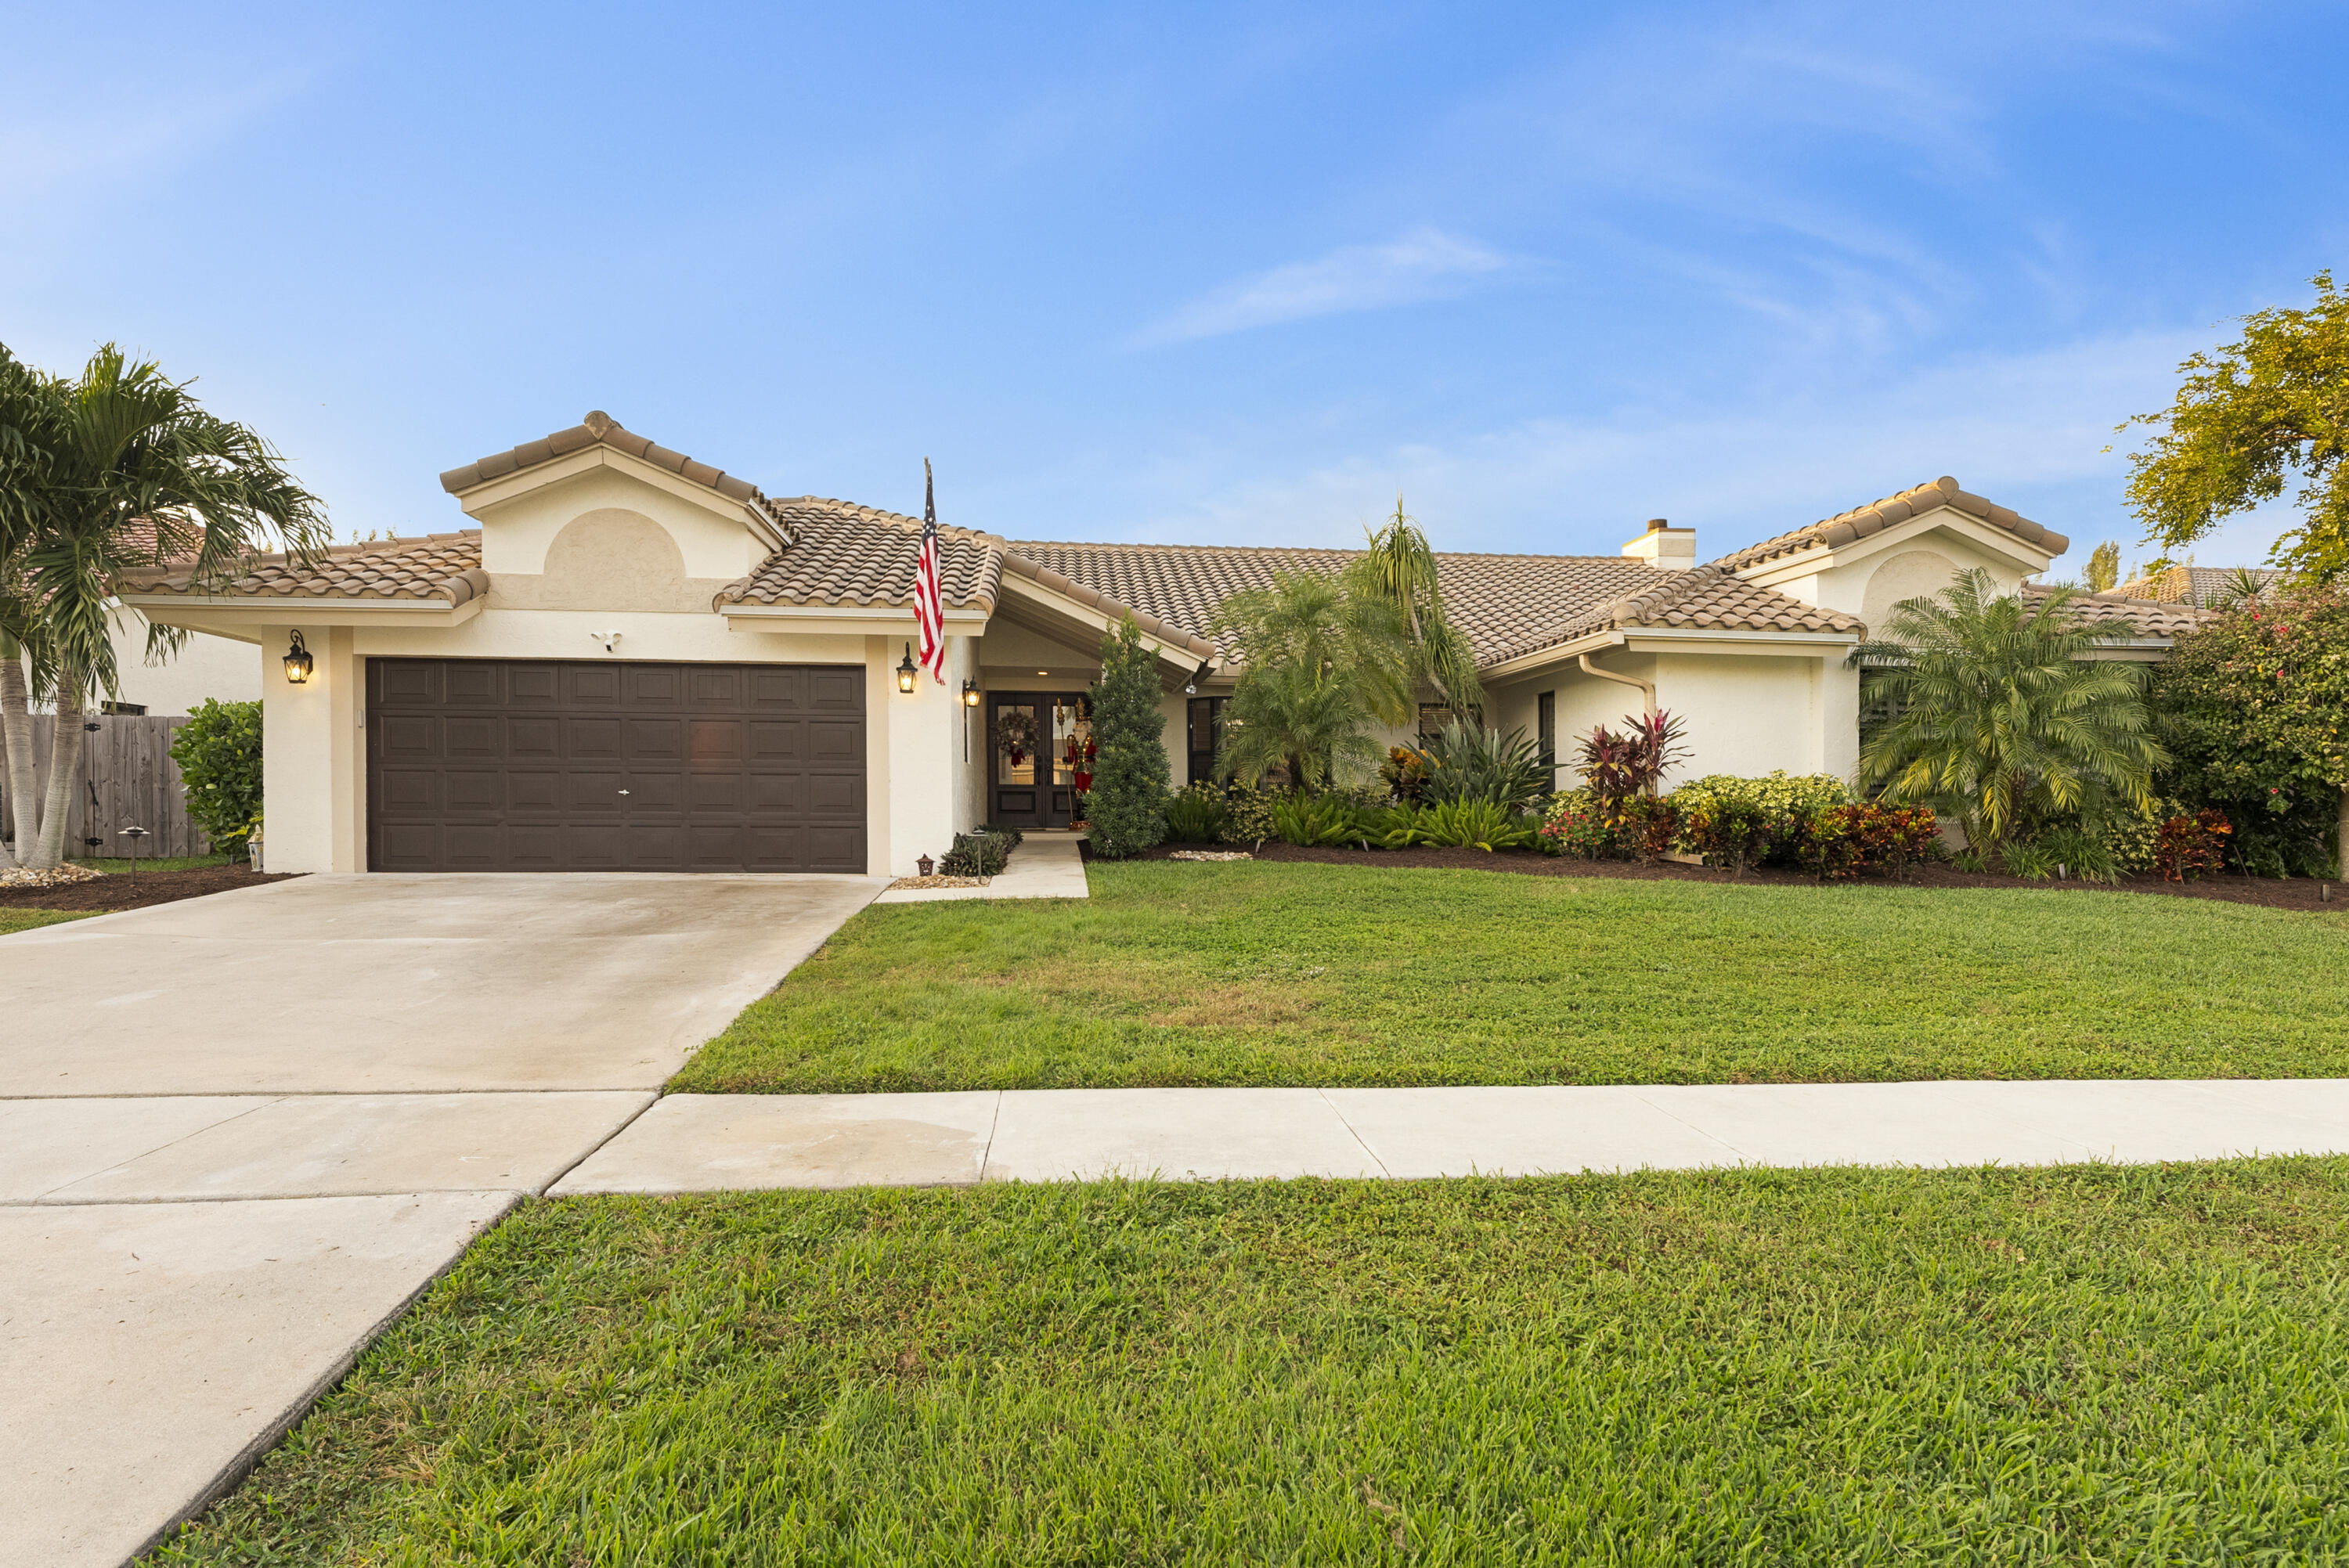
(1047, 865)
(705, 1143)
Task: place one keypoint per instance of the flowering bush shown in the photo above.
(1843, 842)
(1576, 825)
(2192, 846)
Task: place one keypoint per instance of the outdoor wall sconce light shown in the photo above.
(298, 663)
(1191, 686)
(970, 694)
(906, 671)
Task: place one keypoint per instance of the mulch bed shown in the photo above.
(2275, 892)
(121, 890)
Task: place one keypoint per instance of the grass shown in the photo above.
(2078, 1364)
(113, 865)
(1286, 974)
(15, 920)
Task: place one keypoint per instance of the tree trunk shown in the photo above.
(2341, 838)
(65, 758)
(16, 746)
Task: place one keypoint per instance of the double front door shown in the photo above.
(1040, 757)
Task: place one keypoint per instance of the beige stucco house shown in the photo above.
(634, 661)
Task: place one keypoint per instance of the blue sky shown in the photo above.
(1204, 274)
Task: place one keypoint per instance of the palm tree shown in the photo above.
(1321, 666)
(1400, 568)
(2001, 715)
(119, 469)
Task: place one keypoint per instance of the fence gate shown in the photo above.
(126, 779)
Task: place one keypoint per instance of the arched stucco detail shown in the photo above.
(608, 559)
(1910, 574)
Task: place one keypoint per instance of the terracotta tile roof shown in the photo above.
(1505, 605)
(1707, 598)
(841, 553)
(598, 429)
(2146, 617)
(2206, 586)
(1860, 521)
(439, 566)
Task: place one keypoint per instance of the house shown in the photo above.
(637, 661)
(219, 669)
(2202, 587)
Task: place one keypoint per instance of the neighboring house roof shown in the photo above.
(841, 553)
(2146, 617)
(2208, 587)
(1832, 532)
(446, 567)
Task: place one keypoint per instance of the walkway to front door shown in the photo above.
(1041, 749)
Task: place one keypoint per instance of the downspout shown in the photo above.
(1647, 689)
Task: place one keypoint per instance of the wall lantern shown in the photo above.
(970, 694)
(298, 663)
(905, 670)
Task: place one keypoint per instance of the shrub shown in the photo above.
(1315, 819)
(1247, 814)
(1395, 827)
(1615, 767)
(1478, 824)
(1404, 773)
(1126, 808)
(1729, 828)
(980, 854)
(1197, 815)
(1464, 761)
(2080, 853)
(1576, 825)
(1838, 842)
(2192, 846)
(1780, 805)
(1011, 836)
(219, 754)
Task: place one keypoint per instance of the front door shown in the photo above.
(1040, 757)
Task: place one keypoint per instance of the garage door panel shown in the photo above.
(833, 740)
(836, 689)
(487, 765)
(534, 738)
(834, 797)
(593, 740)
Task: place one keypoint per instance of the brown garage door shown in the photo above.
(498, 765)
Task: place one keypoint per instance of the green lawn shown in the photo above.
(1251, 973)
(158, 863)
(13, 920)
(2080, 1365)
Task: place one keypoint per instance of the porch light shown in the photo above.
(970, 694)
(905, 670)
(298, 663)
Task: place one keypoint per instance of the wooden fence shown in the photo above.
(126, 779)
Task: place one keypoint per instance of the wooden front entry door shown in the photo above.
(1039, 756)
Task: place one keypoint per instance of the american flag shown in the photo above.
(929, 606)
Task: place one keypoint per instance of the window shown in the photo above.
(1203, 737)
(1546, 728)
(123, 708)
(1432, 717)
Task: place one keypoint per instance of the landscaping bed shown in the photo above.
(1256, 972)
(2078, 1364)
(118, 891)
(2273, 893)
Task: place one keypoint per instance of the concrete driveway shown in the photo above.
(238, 1134)
(353, 984)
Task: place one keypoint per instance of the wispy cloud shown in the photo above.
(42, 150)
(1423, 264)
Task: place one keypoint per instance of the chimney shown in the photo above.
(1665, 547)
